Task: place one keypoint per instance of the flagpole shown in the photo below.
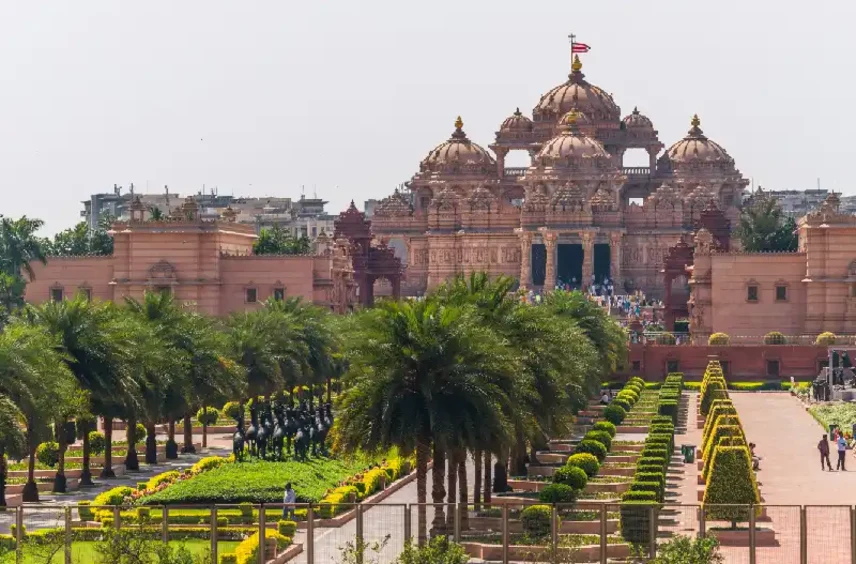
(572, 37)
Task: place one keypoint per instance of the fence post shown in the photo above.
(652, 532)
(67, 534)
(504, 533)
(262, 536)
(165, 524)
(554, 530)
(361, 542)
(408, 533)
(603, 533)
(117, 518)
(19, 534)
(457, 522)
(752, 533)
(213, 533)
(310, 535)
(702, 525)
(852, 535)
(803, 536)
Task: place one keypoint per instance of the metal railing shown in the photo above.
(507, 530)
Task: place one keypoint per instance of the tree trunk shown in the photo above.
(422, 456)
(107, 471)
(31, 490)
(188, 435)
(438, 493)
(451, 489)
(86, 472)
(518, 460)
(60, 483)
(2, 476)
(132, 462)
(329, 390)
(487, 466)
(477, 475)
(500, 474)
(151, 443)
(462, 491)
(171, 446)
(205, 425)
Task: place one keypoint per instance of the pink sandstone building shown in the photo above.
(575, 213)
(205, 263)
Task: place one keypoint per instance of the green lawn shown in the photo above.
(260, 481)
(84, 552)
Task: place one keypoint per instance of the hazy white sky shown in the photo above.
(261, 97)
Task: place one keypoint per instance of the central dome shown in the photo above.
(458, 155)
(580, 94)
(572, 147)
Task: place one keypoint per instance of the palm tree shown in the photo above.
(13, 441)
(35, 378)
(251, 345)
(19, 246)
(421, 374)
(155, 214)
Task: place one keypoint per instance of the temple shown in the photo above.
(575, 215)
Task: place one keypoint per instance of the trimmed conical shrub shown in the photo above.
(730, 481)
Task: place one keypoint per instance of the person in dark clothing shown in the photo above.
(823, 447)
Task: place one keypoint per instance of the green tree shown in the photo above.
(764, 227)
(13, 440)
(80, 240)
(155, 214)
(251, 346)
(11, 295)
(19, 246)
(277, 241)
(421, 374)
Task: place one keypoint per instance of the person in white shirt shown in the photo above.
(289, 499)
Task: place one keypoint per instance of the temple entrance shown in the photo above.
(569, 267)
(539, 264)
(601, 262)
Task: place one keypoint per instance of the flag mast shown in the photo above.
(573, 38)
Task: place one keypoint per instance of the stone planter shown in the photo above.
(566, 528)
(740, 537)
(493, 552)
(616, 488)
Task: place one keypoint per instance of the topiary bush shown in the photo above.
(600, 436)
(730, 481)
(571, 476)
(586, 461)
(636, 515)
(774, 338)
(669, 408)
(592, 447)
(825, 339)
(623, 403)
(536, 520)
(648, 487)
(208, 416)
(605, 426)
(614, 414)
(141, 433)
(714, 390)
(97, 442)
(557, 493)
(232, 410)
(719, 340)
(47, 453)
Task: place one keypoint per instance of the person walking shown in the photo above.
(842, 451)
(288, 500)
(823, 447)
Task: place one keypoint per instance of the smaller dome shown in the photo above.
(695, 148)
(516, 122)
(572, 145)
(602, 200)
(637, 119)
(395, 205)
(458, 155)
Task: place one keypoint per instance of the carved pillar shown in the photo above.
(525, 257)
(652, 158)
(616, 255)
(587, 237)
(500, 161)
(550, 239)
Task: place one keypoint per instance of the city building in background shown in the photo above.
(797, 203)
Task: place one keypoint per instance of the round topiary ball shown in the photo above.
(97, 442)
(592, 447)
(825, 339)
(774, 338)
(600, 436)
(605, 426)
(719, 340)
(141, 433)
(232, 410)
(615, 414)
(623, 403)
(47, 453)
(557, 493)
(536, 520)
(587, 462)
(207, 416)
(666, 339)
(573, 476)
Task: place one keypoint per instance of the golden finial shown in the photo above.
(577, 65)
(695, 121)
(571, 118)
(459, 123)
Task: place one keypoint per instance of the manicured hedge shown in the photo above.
(592, 447)
(614, 414)
(537, 520)
(557, 493)
(731, 481)
(605, 426)
(602, 437)
(635, 518)
(573, 476)
(653, 487)
(586, 461)
(669, 408)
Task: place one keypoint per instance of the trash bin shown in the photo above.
(684, 450)
(689, 455)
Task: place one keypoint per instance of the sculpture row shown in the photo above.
(274, 428)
